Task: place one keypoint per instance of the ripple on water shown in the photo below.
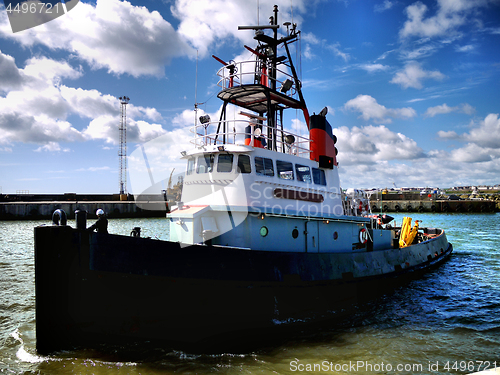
(450, 314)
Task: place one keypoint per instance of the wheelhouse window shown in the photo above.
(285, 169)
(190, 166)
(319, 176)
(225, 163)
(244, 164)
(205, 163)
(303, 173)
(264, 166)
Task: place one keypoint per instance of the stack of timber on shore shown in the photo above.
(34, 207)
(415, 202)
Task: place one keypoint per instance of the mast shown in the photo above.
(263, 95)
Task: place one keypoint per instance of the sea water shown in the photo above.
(446, 322)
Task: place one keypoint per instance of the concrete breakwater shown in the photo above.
(113, 209)
(431, 205)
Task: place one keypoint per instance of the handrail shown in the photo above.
(246, 72)
(236, 134)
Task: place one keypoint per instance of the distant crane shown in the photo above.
(169, 186)
(122, 152)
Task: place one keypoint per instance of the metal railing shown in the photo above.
(213, 133)
(250, 72)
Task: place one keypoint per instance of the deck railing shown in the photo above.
(213, 133)
(252, 72)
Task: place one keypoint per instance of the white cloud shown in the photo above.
(90, 103)
(386, 5)
(33, 111)
(422, 51)
(37, 106)
(413, 75)
(385, 54)
(51, 147)
(432, 26)
(487, 134)
(204, 23)
(10, 77)
(450, 15)
(483, 141)
(370, 109)
(93, 169)
(444, 108)
(466, 48)
(48, 70)
(20, 127)
(370, 144)
(374, 156)
(127, 39)
(105, 128)
(335, 48)
(112, 34)
(372, 68)
(451, 134)
(471, 153)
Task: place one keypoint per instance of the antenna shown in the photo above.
(196, 94)
(122, 152)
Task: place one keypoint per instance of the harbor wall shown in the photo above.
(113, 209)
(34, 208)
(421, 205)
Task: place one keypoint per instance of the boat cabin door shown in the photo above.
(312, 236)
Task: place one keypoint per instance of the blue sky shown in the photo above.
(412, 87)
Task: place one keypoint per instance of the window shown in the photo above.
(264, 166)
(244, 164)
(303, 173)
(285, 169)
(225, 163)
(205, 163)
(319, 176)
(190, 166)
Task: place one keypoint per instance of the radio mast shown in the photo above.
(122, 152)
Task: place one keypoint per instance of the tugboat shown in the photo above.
(262, 237)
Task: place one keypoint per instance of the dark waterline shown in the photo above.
(448, 320)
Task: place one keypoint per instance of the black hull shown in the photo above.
(93, 289)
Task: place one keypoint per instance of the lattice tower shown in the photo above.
(122, 152)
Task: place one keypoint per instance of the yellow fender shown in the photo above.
(408, 234)
(412, 234)
(405, 230)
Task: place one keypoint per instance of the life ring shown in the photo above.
(363, 236)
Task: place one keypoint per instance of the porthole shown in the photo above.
(295, 233)
(264, 231)
(335, 235)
